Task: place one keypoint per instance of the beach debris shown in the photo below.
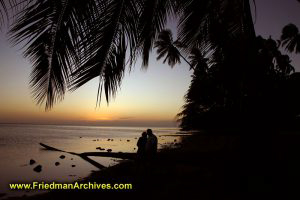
(71, 158)
(128, 140)
(112, 140)
(97, 139)
(62, 157)
(135, 138)
(134, 148)
(94, 140)
(72, 175)
(73, 165)
(57, 163)
(108, 139)
(109, 150)
(99, 148)
(38, 168)
(175, 140)
(31, 161)
(80, 137)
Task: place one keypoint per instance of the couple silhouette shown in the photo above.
(147, 146)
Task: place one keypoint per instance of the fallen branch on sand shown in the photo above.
(85, 155)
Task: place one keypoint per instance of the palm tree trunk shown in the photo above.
(248, 19)
(249, 52)
(191, 66)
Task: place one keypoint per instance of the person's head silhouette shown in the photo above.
(149, 132)
(144, 134)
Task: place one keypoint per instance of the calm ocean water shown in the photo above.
(20, 143)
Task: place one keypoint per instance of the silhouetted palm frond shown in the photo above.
(168, 48)
(198, 61)
(284, 65)
(3, 12)
(105, 46)
(193, 21)
(9, 8)
(50, 31)
(209, 24)
(290, 38)
(152, 20)
(70, 42)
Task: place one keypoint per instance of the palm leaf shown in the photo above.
(290, 38)
(167, 48)
(153, 17)
(192, 21)
(105, 47)
(198, 61)
(50, 30)
(3, 11)
(211, 24)
(4, 16)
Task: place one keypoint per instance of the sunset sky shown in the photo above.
(147, 97)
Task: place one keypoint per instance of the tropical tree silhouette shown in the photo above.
(170, 49)
(73, 42)
(205, 93)
(272, 59)
(198, 61)
(208, 102)
(205, 96)
(290, 38)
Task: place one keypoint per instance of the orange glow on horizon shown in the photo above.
(94, 116)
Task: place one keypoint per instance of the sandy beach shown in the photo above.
(22, 147)
(206, 165)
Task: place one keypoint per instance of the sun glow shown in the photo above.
(96, 116)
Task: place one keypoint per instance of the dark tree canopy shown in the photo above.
(72, 42)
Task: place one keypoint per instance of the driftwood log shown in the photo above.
(85, 155)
